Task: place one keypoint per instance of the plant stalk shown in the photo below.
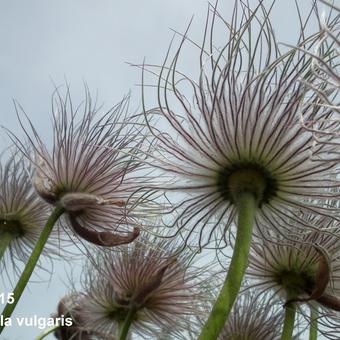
(247, 206)
(31, 263)
(288, 325)
(313, 328)
(124, 331)
(47, 332)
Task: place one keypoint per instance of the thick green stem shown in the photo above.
(5, 240)
(228, 294)
(313, 328)
(47, 332)
(288, 325)
(31, 263)
(124, 331)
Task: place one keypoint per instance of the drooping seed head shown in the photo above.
(93, 169)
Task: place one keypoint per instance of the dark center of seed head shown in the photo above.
(118, 313)
(296, 282)
(247, 178)
(12, 227)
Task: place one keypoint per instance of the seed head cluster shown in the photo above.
(249, 140)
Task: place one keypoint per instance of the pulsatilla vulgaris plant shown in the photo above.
(302, 271)
(71, 326)
(68, 310)
(68, 324)
(141, 286)
(92, 170)
(253, 316)
(238, 151)
(22, 212)
(90, 174)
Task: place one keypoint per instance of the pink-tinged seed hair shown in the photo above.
(239, 114)
(95, 169)
(326, 85)
(254, 316)
(68, 308)
(307, 266)
(22, 212)
(147, 276)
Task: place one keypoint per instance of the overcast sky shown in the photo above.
(47, 41)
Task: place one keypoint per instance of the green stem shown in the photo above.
(31, 263)
(228, 294)
(5, 240)
(288, 325)
(47, 332)
(123, 333)
(313, 328)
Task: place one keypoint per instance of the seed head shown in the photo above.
(22, 213)
(253, 316)
(303, 271)
(146, 277)
(72, 326)
(93, 169)
(242, 131)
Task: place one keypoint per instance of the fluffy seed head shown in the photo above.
(253, 317)
(306, 269)
(92, 169)
(22, 212)
(145, 277)
(69, 309)
(242, 131)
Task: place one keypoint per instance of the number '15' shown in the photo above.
(6, 298)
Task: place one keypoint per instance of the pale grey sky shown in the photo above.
(88, 41)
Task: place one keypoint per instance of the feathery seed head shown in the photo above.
(22, 212)
(253, 316)
(242, 133)
(144, 276)
(93, 170)
(305, 269)
(69, 309)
